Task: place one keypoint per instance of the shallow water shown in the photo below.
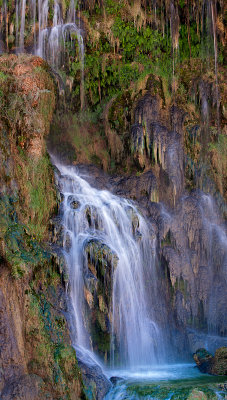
(167, 382)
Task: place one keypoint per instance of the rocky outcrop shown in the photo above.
(101, 264)
(96, 384)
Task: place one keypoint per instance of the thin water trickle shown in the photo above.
(22, 26)
(217, 256)
(115, 222)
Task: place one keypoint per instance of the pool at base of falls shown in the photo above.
(166, 382)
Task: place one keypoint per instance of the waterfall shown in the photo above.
(115, 223)
(52, 39)
(17, 23)
(217, 261)
(33, 10)
(22, 25)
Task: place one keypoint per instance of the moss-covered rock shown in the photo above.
(220, 362)
(215, 365)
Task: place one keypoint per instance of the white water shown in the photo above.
(177, 375)
(55, 37)
(217, 256)
(21, 43)
(134, 332)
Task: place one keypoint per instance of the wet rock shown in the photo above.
(101, 262)
(67, 241)
(57, 231)
(215, 365)
(204, 360)
(115, 379)
(99, 252)
(74, 203)
(140, 188)
(197, 340)
(96, 383)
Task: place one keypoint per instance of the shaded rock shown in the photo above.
(115, 379)
(25, 387)
(99, 252)
(216, 365)
(220, 362)
(96, 383)
(204, 360)
(74, 204)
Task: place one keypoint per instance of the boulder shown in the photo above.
(96, 383)
(215, 365)
(204, 360)
(220, 362)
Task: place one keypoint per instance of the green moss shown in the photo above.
(37, 191)
(20, 249)
(46, 328)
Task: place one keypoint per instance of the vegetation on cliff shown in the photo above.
(151, 69)
(44, 361)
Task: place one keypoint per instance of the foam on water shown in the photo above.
(135, 332)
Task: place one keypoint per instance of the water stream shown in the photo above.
(138, 342)
(115, 223)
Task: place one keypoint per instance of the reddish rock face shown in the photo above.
(28, 91)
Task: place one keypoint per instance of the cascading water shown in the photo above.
(217, 261)
(21, 43)
(53, 37)
(135, 334)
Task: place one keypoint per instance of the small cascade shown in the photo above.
(53, 39)
(99, 220)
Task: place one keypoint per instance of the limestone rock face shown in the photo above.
(13, 362)
(97, 385)
(101, 263)
(26, 387)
